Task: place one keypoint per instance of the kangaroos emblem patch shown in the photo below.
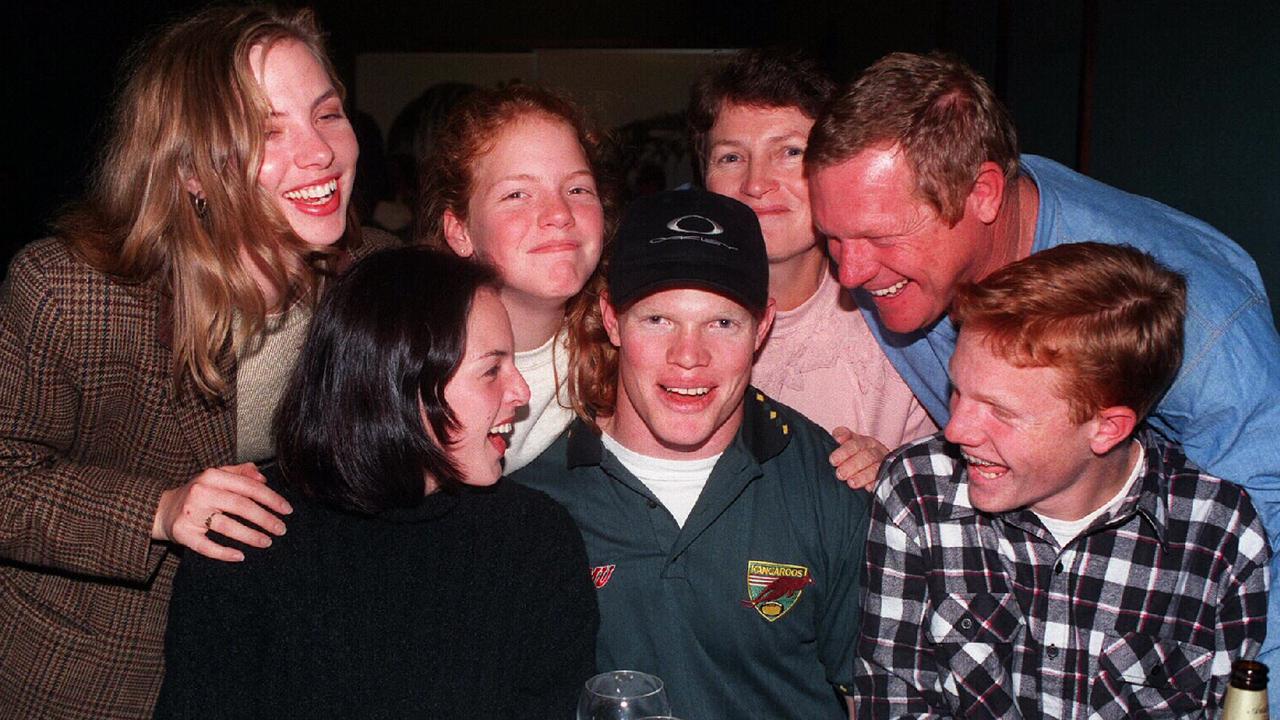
(774, 588)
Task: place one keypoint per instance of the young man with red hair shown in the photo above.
(1049, 555)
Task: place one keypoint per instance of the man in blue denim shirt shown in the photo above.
(916, 181)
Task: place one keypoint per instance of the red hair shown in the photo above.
(1108, 316)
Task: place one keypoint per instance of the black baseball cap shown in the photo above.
(690, 238)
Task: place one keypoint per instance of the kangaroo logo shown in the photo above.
(774, 588)
(695, 227)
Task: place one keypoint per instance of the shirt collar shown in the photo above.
(1148, 497)
(764, 433)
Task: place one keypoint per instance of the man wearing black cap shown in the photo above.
(726, 557)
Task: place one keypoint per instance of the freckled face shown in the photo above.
(890, 243)
(309, 163)
(684, 362)
(484, 393)
(1016, 432)
(534, 212)
(756, 156)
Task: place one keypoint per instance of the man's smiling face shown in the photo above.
(685, 360)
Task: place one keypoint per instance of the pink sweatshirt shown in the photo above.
(822, 360)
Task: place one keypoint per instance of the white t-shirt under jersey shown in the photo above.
(676, 483)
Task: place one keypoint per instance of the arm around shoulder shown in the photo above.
(1222, 409)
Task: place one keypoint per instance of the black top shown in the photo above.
(475, 605)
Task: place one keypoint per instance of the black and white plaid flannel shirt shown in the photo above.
(979, 615)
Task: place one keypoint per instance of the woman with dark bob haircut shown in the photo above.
(413, 582)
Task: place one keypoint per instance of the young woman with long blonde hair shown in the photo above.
(141, 350)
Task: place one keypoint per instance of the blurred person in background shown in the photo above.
(410, 143)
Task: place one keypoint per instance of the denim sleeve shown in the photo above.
(1225, 411)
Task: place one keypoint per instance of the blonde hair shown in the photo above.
(191, 110)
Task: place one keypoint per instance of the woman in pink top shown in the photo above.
(750, 121)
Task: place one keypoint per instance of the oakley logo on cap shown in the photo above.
(687, 226)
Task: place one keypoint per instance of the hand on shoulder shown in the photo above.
(857, 460)
(220, 499)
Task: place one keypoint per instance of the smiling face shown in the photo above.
(309, 162)
(534, 212)
(1018, 438)
(893, 244)
(756, 156)
(684, 362)
(484, 393)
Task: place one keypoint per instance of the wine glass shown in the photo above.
(623, 695)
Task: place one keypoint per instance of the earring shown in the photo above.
(201, 206)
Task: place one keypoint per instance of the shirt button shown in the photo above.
(653, 505)
(966, 624)
(1052, 651)
(1058, 568)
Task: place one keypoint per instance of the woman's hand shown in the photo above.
(186, 514)
(858, 458)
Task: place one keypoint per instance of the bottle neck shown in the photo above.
(1249, 675)
(1244, 704)
(1247, 694)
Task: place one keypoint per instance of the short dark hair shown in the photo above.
(759, 77)
(1108, 316)
(387, 337)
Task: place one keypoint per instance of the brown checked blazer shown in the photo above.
(91, 432)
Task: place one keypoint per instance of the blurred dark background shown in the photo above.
(1177, 100)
